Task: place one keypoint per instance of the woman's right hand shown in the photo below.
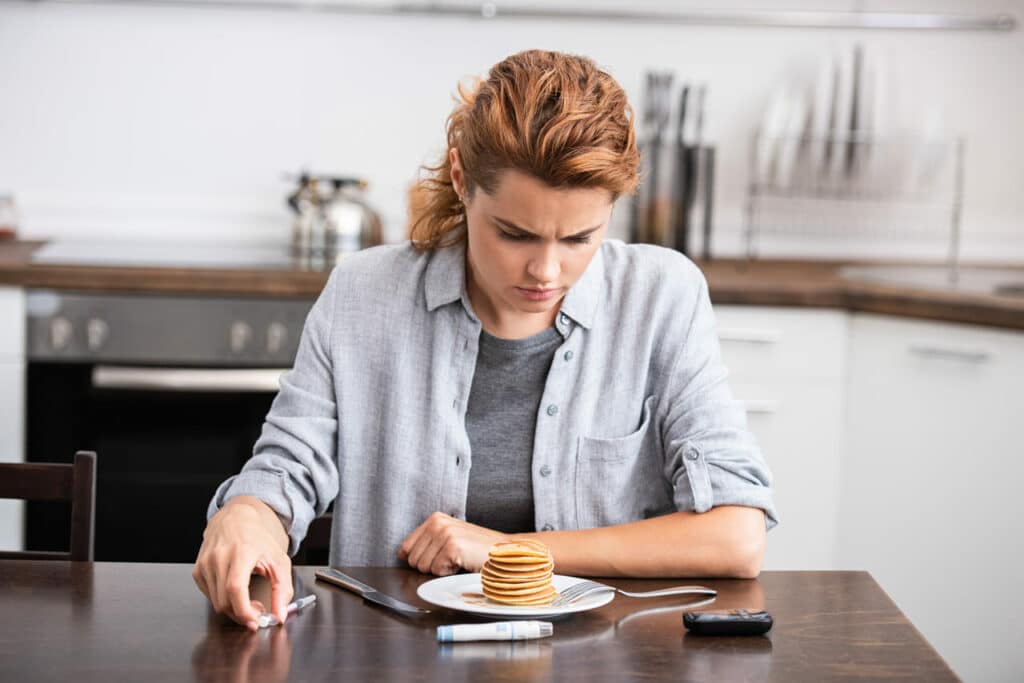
(244, 537)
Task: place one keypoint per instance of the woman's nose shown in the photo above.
(544, 266)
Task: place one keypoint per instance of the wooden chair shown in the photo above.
(39, 481)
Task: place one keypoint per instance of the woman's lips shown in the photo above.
(538, 294)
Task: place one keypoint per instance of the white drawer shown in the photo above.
(761, 342)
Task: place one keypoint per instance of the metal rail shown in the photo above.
(490, 11)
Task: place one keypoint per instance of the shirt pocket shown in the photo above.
(620, 479)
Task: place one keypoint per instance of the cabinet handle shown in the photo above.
(930, 350)
(748, 335)
(757, 405)
(203, 380)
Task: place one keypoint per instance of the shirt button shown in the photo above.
(552, 410)
(545, 471)
(568, 355)
(547, 527)
(691, 453)
(565, 319)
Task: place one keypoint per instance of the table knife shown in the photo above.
(367, 592)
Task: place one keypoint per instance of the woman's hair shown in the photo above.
(556, 117)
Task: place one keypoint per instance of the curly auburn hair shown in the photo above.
(554, 116)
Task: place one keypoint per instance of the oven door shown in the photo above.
(165, 439)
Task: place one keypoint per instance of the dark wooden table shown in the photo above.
(111, 621)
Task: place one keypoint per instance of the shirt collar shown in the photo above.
(446, 283)
(446, 275)
(581, 301)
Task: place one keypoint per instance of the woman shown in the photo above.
(506, 373)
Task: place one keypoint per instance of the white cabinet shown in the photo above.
(787, 366)
(931, 483)
(12, 405)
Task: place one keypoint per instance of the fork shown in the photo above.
(584, 588)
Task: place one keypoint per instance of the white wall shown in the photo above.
(177, 123)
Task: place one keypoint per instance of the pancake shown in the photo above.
(498, 585)
(515, 551)
(518, 573)
(542, 598)
(525, 574)
(510, 568)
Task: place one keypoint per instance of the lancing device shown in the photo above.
(268, 619)
(499, 630)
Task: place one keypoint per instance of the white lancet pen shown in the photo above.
(268, 619)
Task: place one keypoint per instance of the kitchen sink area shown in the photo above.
(975, 280)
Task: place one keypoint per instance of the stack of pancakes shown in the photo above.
(519, 573)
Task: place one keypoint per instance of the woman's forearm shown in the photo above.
(725, 541)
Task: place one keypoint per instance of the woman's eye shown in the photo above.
(522, 237)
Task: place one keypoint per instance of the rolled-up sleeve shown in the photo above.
(293, 467)
(711, 458)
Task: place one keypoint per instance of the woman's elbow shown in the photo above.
(746, 549)
(748, 567)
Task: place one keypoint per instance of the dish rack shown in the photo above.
(856, 195)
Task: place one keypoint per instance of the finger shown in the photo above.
(417, 549)
(424, 536)
(281, 590)
(216, 576)
(445, 563)
(200, 580)
(236, 593)
(410, 542)
(211, 585)
(426, 559)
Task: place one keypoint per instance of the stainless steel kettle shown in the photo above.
(332, 218)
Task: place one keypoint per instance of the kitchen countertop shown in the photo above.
(731, 281)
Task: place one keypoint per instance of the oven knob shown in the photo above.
(239, 336)
(60, 333)
(277, 335)
(96, 333)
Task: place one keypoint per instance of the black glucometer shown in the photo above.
(739, 622)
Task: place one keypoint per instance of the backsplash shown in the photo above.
(180, 124)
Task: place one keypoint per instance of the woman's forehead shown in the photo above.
(531, 204)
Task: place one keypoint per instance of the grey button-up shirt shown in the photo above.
(635, 420)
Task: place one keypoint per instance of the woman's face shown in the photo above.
(528, 243)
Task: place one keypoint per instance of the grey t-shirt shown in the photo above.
(500, 420)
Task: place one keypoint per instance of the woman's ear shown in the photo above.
(457, 176)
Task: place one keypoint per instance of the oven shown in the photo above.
(170, 391)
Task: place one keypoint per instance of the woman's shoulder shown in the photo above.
(385, 269)
(384, 258)
(648, 270)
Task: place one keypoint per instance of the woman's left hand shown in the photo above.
(443, 545)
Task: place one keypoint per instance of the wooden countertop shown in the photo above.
(104, 621)
(731, 281)
(819, 284)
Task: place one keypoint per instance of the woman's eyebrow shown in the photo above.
(512, 226)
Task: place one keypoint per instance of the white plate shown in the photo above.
(448, 591)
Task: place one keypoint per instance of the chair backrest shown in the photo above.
(51, 481)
